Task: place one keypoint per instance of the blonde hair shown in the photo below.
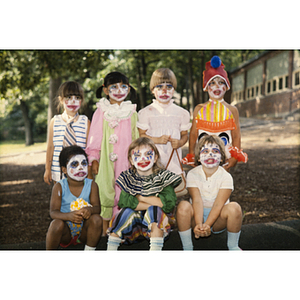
(209, 139)
(144, 141)
(163, 75)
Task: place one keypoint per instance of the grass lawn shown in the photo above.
(18, 146)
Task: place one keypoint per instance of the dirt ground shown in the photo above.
(267, 187)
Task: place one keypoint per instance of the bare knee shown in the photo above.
(234, 209)
(184, 209)
(56, 226)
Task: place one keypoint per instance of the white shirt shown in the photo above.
(209, 187)
(165, 119)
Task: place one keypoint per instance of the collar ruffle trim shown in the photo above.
(132, 183)
(115, 111)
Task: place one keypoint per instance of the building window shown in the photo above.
(237, 96)
(277, 84)
(253, 91)
(280, 83)
(297, 79)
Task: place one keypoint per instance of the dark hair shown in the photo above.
(67, 152)
(115, 77)
(69, 88)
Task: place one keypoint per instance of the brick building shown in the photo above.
(267, 85)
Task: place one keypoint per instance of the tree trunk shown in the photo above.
(54, 84)
(28, 125)
(190, 78)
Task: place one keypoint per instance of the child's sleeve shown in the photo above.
(143, 119)
(227, 182)
(127, 200)
(191, 180)
(95, 137)
(185, 120)
(168, 198)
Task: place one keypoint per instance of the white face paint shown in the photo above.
(72, 103)
(77, 167)
(118, 91)
(163, 92)
(210, 155)
(217, 88)
(143, 158)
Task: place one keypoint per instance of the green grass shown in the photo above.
(18, 146)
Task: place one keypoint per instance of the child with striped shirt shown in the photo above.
(147, 198)
(66, 129)
(217, 117)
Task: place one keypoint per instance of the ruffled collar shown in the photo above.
(115, 111)
(158, 104)
(132, 183)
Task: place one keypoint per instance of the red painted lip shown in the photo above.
(72, 107)
(80, 174)
(164, 97)
(210, 161)
(217, 92)
(119, 95)
(144, 164)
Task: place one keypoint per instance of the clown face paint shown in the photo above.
(72, 103)
(143, 158)
(217, 88)
(77, 167)
(210, 155)
(163, 92)
(118, 91)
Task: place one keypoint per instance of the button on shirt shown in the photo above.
(209, 187)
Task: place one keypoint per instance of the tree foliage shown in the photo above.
(26, 77)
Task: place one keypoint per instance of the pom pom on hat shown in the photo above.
(214, 68)
(215, 62)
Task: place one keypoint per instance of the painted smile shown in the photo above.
(80, 174)
(217, 92)
(144, 164)
(210, 161)
(72, 107)
(119, 96)
(164, 96)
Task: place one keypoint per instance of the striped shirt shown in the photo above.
(59, 127)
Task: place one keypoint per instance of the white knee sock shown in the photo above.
(113, 243)
(156, 243)
(89, 248)
(233, 240)
(186, 239)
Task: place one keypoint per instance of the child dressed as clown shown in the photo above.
(216, 117)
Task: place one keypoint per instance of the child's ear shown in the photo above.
(105, 90)
(64, 170)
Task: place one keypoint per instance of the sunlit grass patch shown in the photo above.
(18, 146)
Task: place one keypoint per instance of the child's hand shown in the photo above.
(47, 177)
(175, 143)
(229, 163)
(95, 167)
(85, 212)
(76, 216)
(164, 139)
(202, 230)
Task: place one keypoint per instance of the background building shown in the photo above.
(267, 85)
